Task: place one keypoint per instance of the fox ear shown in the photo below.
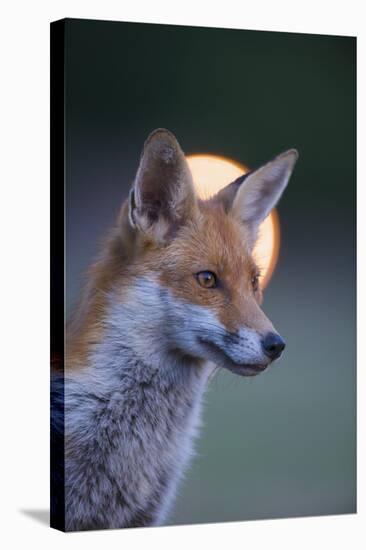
(162, 197)
(251, 197)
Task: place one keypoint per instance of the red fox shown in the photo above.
(174, 294)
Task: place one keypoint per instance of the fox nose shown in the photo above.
(273, 345)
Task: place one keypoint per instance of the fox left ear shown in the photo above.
(251, 198)
(162, 197)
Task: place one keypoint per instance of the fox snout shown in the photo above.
(273, 345)
(249, 353)
(246, 351)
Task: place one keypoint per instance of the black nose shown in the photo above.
(273, 345)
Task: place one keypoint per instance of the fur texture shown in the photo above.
(130, 418)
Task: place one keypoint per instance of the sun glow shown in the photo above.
(210, 174)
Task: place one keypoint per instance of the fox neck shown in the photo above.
(136, 319)
(137, 402)
(135, 343)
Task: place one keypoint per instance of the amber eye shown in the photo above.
(255, 282)
(207, 279)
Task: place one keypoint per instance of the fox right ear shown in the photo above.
(162, 197)
(251, 197)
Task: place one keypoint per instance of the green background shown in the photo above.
(284, 443)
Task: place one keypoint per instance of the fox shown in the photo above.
(173, 296)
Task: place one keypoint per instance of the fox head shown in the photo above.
(195, 281)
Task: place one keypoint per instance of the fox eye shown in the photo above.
(255, 282)
(207, 279)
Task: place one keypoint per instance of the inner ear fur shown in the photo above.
(251, 197)
(162, 197)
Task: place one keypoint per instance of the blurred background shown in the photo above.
(282, 444)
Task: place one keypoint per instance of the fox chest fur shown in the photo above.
(129, 428)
